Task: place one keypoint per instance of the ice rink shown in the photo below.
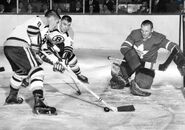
(163, 110)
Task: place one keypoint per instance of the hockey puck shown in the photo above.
(78, 92)
(106, 109)
(2, 69)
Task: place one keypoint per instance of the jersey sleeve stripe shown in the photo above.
(167, 44)
(129, 43)
(32, 30)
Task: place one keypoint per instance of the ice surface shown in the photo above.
(164, 109)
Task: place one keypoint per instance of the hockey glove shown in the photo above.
(58, 67)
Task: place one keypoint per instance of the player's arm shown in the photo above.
(127, 44)
(176, 55)
(34, 35)
(68, 49)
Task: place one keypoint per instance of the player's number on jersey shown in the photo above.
(58, 38)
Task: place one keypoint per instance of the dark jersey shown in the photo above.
(147, 49)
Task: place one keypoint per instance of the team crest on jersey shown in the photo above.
(58, 39)
(140, 50)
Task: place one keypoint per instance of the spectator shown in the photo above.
(106, 10)
(9, 5)
(44, 8)
(21, 7)
(78, 7)
(30, 8)
(94, 6)
(59, 11)
(1, 8)
(144, 8)
(109, 4)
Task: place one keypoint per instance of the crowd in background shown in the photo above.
(93, 6)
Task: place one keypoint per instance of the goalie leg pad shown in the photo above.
(137, 91)
(181, 70)
(119, 80)
(180, 62)
(133, 60)
(144, 78)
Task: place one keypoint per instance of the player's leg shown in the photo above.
(36, 77)
(73, 64)
(23, 61)
(15, 56)
(36, 86)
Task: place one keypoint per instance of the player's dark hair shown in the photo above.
(50, 13)
(67, 18)
(147, 22)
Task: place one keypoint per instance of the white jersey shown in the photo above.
(20, 32)
(55, 37)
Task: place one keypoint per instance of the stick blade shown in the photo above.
(126, 108)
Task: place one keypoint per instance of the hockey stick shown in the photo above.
(154, 67)
(2, 69)
(107, 107)
(115, 59)
(161, 67)
(165, 65)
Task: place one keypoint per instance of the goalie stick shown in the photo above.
(107, 107)
(160, 67)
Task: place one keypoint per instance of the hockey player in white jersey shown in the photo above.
(21, 48)
(61, 41)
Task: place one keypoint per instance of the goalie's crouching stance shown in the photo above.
(140, 51)
(20, 50)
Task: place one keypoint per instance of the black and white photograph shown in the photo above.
(92, 64)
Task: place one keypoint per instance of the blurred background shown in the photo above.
(93, 6)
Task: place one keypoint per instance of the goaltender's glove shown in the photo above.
(58, 67)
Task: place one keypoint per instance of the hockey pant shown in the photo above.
(24, 64)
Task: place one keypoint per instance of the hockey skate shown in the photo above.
(136, 90)
(41, 108)
(82, 78)
(13, 98)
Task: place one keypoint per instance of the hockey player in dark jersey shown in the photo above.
(61, 41)
(140, 51)
(21, 49)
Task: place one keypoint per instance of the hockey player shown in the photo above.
(62, 42)
(140, 50)
(21, 49)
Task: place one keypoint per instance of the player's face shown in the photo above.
(65, 25)
(52, 22)
(146, 31)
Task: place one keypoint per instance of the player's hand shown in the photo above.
(162, 67)
(58, 67)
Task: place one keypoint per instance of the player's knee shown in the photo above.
(36, 78)
(144, 78)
